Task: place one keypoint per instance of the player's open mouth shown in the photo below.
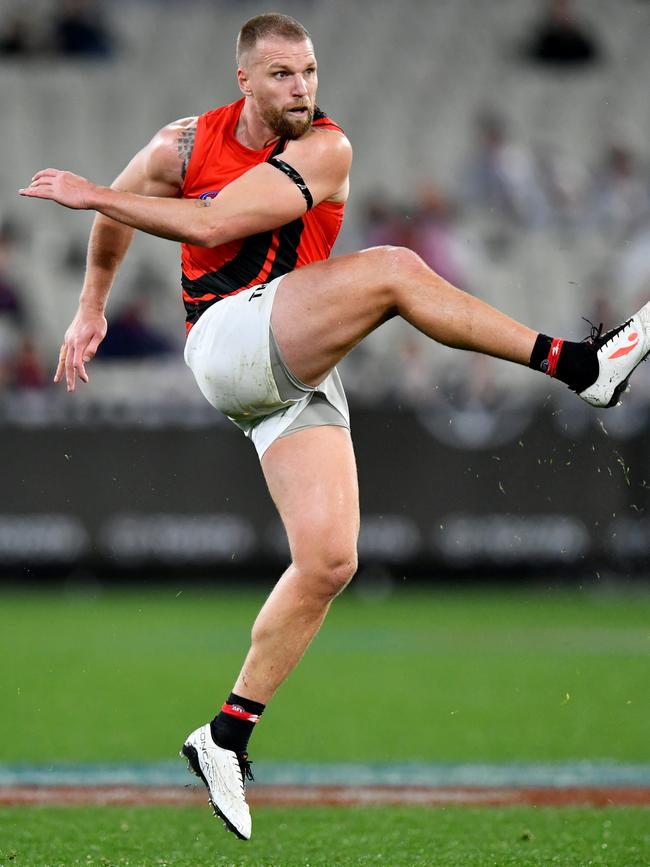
(299, 112)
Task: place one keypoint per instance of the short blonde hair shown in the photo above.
(270, 24)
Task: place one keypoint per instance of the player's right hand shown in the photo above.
(66, 188)
(81, 341)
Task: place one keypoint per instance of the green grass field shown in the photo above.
(478, 676)
(481, 676)
(414, 837)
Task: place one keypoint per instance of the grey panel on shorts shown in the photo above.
(289, 388)
(319, 411)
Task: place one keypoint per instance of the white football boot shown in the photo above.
(223, 773)
(619, 352)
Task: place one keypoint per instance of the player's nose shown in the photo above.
(300, 85)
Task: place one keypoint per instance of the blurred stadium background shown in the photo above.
(508, 142)
(511, 152)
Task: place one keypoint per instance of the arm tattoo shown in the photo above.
(203, 203)
(185, 146)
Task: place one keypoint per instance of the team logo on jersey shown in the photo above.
(210, 194)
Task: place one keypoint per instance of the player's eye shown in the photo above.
(280, 75)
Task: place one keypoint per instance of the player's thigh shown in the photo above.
(312, 477)
(320, 312)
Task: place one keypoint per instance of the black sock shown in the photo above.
(576, 364)
(234, 724)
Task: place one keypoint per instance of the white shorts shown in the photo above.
(238, 367)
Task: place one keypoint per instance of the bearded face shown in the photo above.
(289, 123)
(280, 78)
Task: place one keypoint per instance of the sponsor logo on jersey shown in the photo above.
(210, 194)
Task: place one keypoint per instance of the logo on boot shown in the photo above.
(633, 340)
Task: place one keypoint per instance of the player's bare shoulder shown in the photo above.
(330, 141)
(170, 151)
(158, 169)
(184, 132)
(328, 154)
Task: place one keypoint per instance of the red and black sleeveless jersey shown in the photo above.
(213, 273)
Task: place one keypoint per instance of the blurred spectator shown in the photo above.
(560, 40)
(415, 375)
(10, 304)
(633, 268)
(80, 31)
(502, 176)
(472, 384)
(74, 258)
(620, 197)
(565, 181)
(12, 313)
(27, 369)
(130, 335)
(16, 39)
(382, 223)
(433, 236)
(12, 232)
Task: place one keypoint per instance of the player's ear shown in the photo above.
(242, 81)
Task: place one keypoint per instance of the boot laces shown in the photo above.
(597, 339)
(245, 766)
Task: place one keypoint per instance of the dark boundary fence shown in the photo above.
(520, 490)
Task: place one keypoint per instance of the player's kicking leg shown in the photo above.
(312, 478)
(339, 302)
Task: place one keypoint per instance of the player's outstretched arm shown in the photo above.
(262, 199)
(157, 170)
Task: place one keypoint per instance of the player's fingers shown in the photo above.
(69, 370)
(61, 364)
(46, 173)
(79, 363)
(40, 181)
(93, 346)
(42, 184)
(36, 192)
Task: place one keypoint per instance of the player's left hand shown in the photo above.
(67, 189)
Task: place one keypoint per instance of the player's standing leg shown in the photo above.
(312, 478)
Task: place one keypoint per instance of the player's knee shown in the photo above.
(396, 266)
(397, 259)
(406, 262)
(339, 574)
(330, 571)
